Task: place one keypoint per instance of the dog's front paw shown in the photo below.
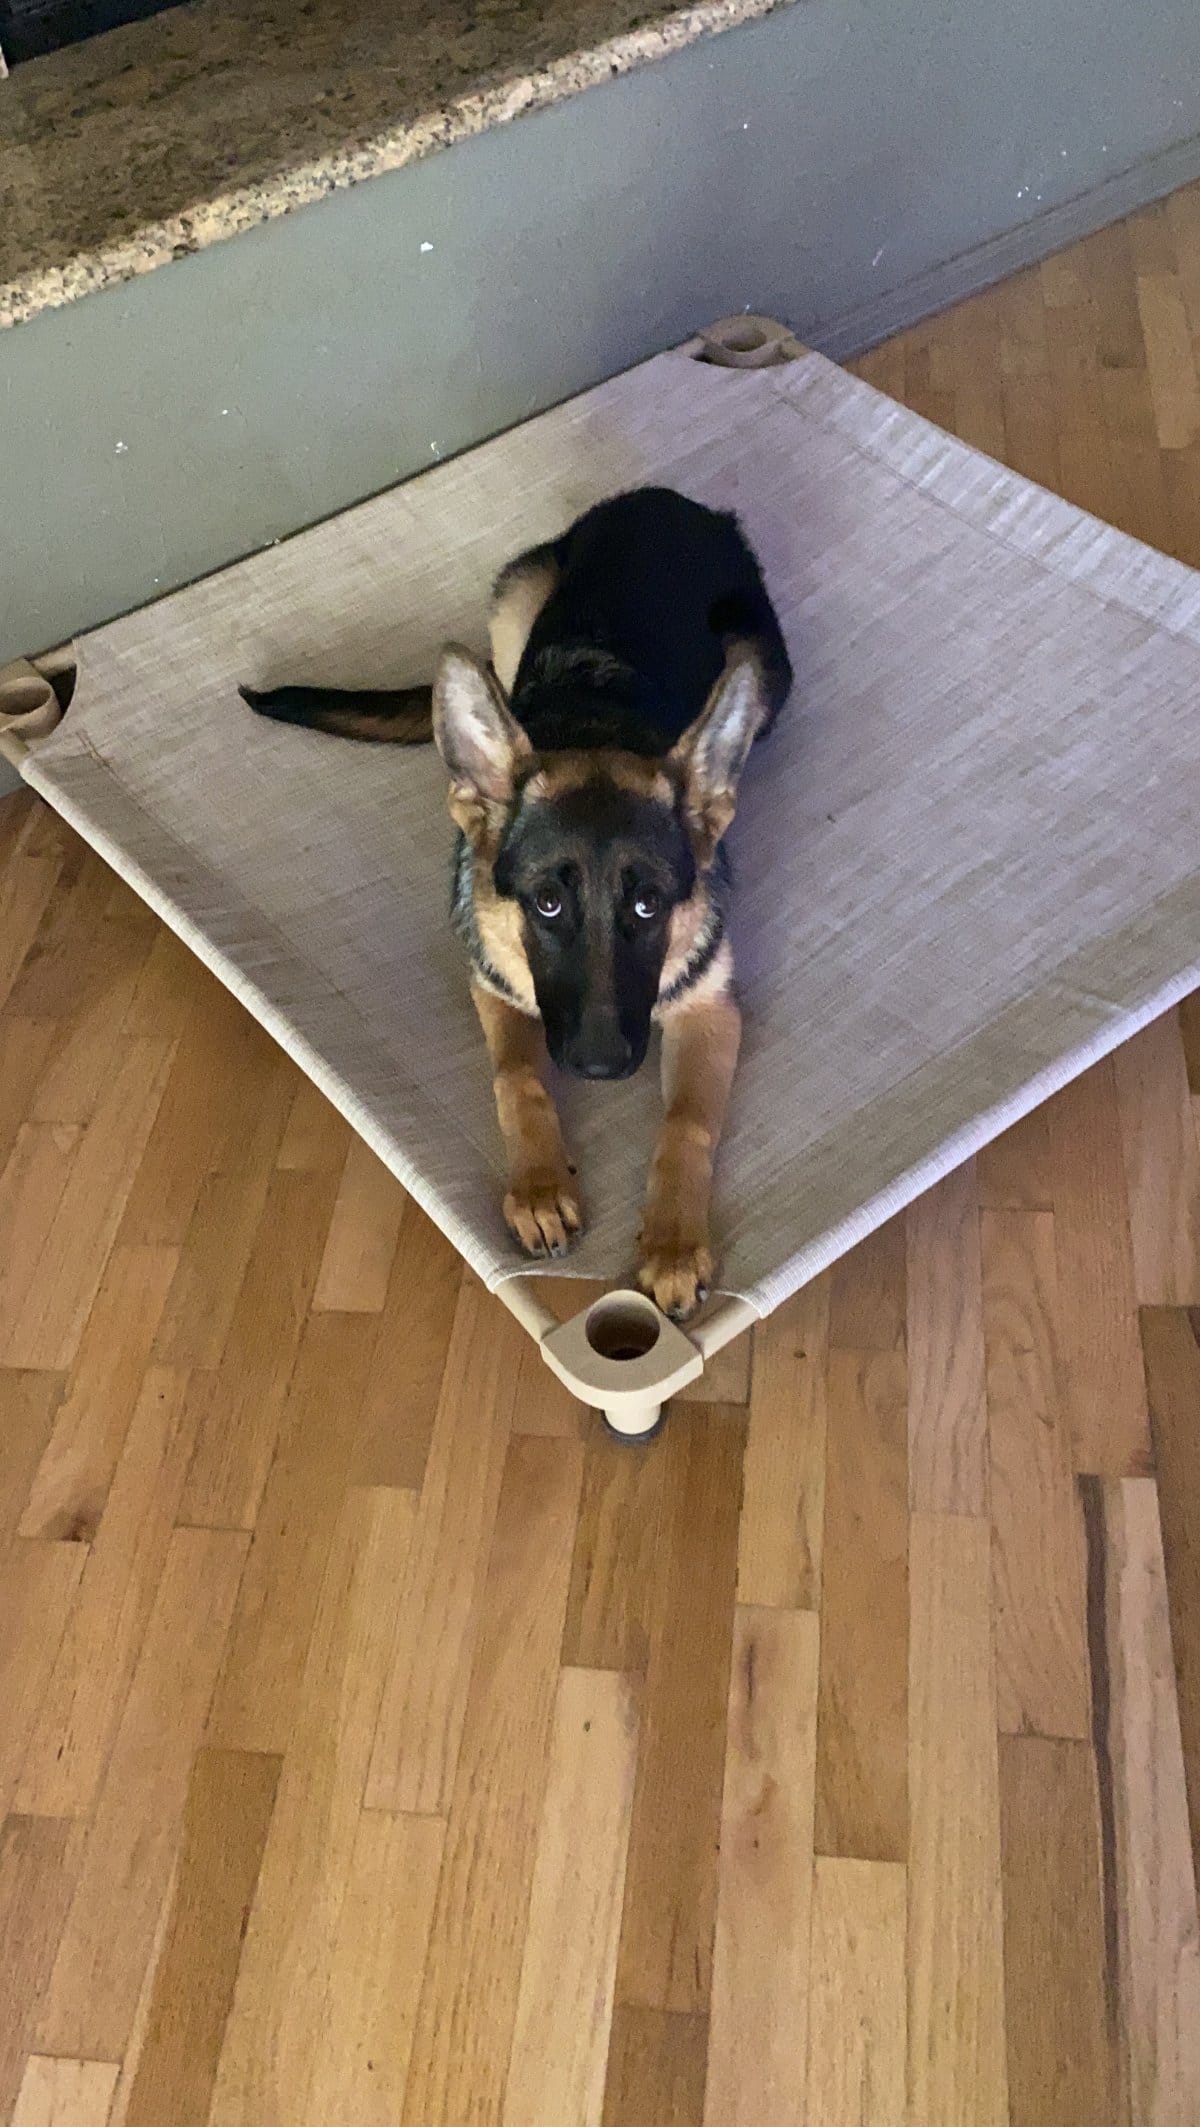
(542, 1210)
(676, 1270)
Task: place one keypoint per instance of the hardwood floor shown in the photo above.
(382, 1743)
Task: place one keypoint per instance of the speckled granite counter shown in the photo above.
(120, 154)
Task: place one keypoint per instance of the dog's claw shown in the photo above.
(542, 1210)
(677, 1275)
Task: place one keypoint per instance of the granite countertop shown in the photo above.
(158, 139)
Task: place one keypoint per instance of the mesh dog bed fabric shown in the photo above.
(967, 859)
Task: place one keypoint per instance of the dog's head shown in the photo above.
(605, 854)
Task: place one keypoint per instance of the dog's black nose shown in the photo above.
(599, 1050)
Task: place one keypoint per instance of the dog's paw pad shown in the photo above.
(542, 1210)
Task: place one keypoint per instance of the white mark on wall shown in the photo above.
(427, 246)
(878, 255)
(121, 447)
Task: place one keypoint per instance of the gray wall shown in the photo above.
(840, 165)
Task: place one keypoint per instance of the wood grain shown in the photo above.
(266, 2061)
(761, 1970)
(28, 1403)
(98, 1653)
(556, 2069)
(405, 1381)
(37, 1589)
(40, 1858)
(1041, 1641)
(783, 1507)
(1061, 2011)
(667, 1926)
(956, 2037)
(867, 1293)
(228, 1811)
(1101, 1373)
(255, 1705)
(62, 2093)
(93, 1990)
(947, 1406)
(1171, 1340)
(1162, 1165)
(862, 1788)
(1144, 1802)
(858, 2025)
(469, 2002)
(415, 1757)
(364, 1231)
(655, 2069)
(610, 1605)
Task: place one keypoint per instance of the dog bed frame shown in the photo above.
(967, 859)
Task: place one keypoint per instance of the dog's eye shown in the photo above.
(647, 905)
(547, 903)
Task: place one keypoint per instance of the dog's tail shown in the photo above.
(403, 717)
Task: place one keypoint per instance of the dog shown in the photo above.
(594, 768)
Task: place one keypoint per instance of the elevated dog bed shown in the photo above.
(967, 860)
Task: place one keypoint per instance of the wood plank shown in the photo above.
(1162, 1165)
(363, 1236)
(39, 1864)
(564, 2005)
(1060, 2008)
(46, 1330)
(856, 2053)
(231, 1795)
(468, 2004)
(655, 2069)
(761, 1968)
(947, 1406)
(266, 2061)
(62, 2093)
(1151, 1883)
(37, 1588)
(229, 1081)
(611, 1599)
(956, 2041)
(200, 1306)
(401, 1398)
(862, 1793)
(1169, 359)
(239, 1430)
(88, 1048)
(1041, 1640)
(424, 1703)
(783, 1507)
(24, 1047)
(31, 1190)
(667, 1926)
(364, 2042)
(68, 1493)
(28, 1403)
(255, 1704)
(27, 881)
(1189, 1028)
(93, 1991)
(1101, 1373)
(316, 1138)
(867, 1293)
(727, 1375)
(1171, 1340)
(95, 1662)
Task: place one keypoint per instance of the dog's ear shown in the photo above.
(711, 755)
(479, 739)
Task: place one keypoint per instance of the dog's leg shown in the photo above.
(701, 1038)
(520, 592)
(542, 1204)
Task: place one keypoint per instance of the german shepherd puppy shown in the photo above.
(593, 773)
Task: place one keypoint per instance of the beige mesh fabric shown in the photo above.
(967, 860)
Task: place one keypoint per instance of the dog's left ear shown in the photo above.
(479, 739)
(711, 755)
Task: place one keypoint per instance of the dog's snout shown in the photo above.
(600, 1049)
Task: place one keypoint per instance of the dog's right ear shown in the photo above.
(480, 741)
